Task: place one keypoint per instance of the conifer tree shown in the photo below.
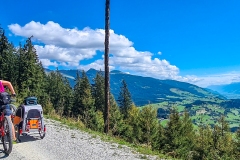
(186, 137)
(12, 68)
(236, 149)
(4, 60)
(223, 143)
(56, 91)
(172, 132)
(83, 101)
(124, 99)
(77, 96)
(116, 125)
(204, 142)
(132, 127)
(158, 140)
(148, 124)
(8, 60)
(68, 97)
(98, 92)
(31, 75)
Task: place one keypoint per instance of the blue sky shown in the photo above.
(192, 41)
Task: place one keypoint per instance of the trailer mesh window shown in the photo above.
(33, 113)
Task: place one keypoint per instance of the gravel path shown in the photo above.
(61, 143)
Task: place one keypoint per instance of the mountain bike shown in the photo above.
(6, 134)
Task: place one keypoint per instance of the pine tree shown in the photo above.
(116, 125)
(68, 97)
(148, 124)
(8, 60)
(44, 98)
(132, 127)
(4, 60)
(31, 75)
(186, 138)
(158, 140)
(99, 99)
(172, 132)
(124, 99)
(98, 92)
(223, 142)
(83, 100)
(56, 91)
(204, 142)
(12, 68)
(76, 110)
(236, 149)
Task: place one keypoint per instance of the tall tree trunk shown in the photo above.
(107, 86)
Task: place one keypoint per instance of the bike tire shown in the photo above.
(42, 134)
(17, 133)
(8, 134)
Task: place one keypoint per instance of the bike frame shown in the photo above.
(2, 131)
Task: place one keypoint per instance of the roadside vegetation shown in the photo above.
(83, 106)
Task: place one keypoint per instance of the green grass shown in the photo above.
(235, 111)
(195, 108)
(231, 116)
(233, 125)
(164, 122)
(180, 108)
(212, 114)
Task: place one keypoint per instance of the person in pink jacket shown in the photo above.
(8, 110)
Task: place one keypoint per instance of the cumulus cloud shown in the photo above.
(52, 33)
(71, 56)
(71, 47)
(47, 62)
(218, 79)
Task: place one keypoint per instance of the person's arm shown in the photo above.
(9, 85)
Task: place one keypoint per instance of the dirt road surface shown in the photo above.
(62, 143)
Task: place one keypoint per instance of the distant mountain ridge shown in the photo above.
(145, 90)
(231, 91)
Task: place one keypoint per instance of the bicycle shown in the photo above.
(6, 134)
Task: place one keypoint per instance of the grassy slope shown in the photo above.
(206, 113)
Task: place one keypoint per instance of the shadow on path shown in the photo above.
(28, 138)
(3, 154)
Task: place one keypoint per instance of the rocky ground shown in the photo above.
(61, 143)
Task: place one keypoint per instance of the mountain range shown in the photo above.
(145, 90)
(230, 91)
(205, 105)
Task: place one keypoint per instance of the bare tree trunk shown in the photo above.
(107, 86)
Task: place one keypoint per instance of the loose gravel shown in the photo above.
(62, 143)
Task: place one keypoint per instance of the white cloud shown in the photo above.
(218, 79)
(52, 33)
(71, 56)
(47, 62)
(160, 53)
(70, 47)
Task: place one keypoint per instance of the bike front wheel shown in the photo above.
(7, 139)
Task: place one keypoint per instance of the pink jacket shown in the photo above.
(2, 89)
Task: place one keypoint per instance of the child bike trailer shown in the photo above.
(28, 119)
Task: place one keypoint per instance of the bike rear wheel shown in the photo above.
(7, 139)
(42, 134)
(17, 132)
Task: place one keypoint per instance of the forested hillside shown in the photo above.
(84, 103)
(155, 90)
